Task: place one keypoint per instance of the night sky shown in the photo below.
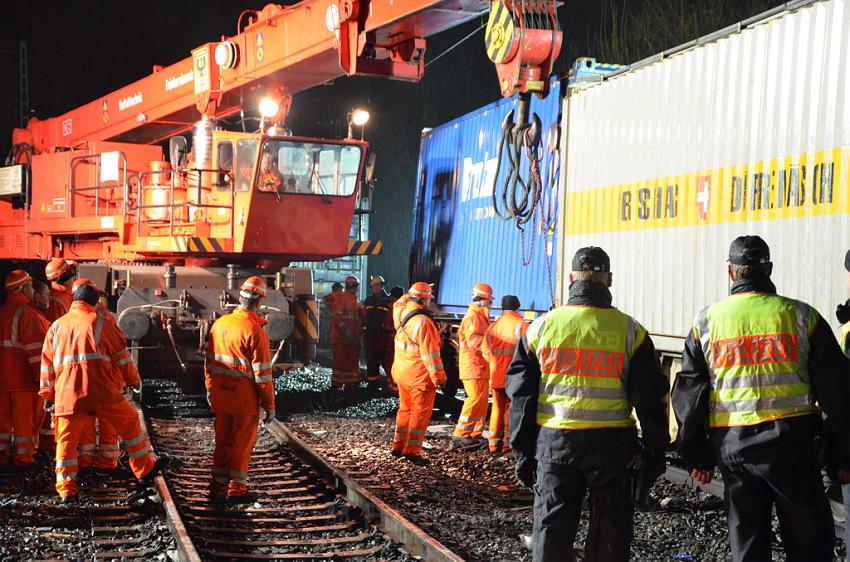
(78, 51)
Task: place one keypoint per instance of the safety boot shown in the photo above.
(247, 497)
(417, 460)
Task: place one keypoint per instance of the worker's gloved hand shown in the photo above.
(48, 406)
(136, 388)
(439, 381)
(268, 415)
(525, 470)
(645, 468)
(842, 312)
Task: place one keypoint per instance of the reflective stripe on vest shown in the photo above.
(584, 356)
(14, 341)
(59, 359)
(757, 349)
(844, 340)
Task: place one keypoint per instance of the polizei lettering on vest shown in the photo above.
(581, 362)
(754, 350)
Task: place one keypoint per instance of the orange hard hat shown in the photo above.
(351, 282)
(253, 286)
(17, 279)
(57, 267)
(80, 282)
(420, 290)
(483, 290)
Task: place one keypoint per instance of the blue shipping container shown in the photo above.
(457, 239)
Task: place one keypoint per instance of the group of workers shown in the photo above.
(64, 366)
(368, 322)
(763, 394)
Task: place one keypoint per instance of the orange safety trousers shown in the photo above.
(98, 446)
(123, 417)
(499, 438)
(411, 422)
(17, 410)
(473, 415)
(346, 366)
(235, 436)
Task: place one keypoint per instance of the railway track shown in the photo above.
(307, 510)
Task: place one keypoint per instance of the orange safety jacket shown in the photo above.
(22, 331)
(60, 302)
(346, 312)
(398, 309)
(417, 350)
(472, 364)
(82, 351)
(499, 344)
(238, 370)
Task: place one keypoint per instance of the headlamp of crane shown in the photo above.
(269, 108)
(227, 54)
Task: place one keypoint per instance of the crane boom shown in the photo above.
(294, 47)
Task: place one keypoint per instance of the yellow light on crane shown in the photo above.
(269, 108)
(359, 117)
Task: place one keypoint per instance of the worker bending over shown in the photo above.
(418, 372)
(22, 331)
(239, 382)
(575, 377)
(474, 370)
(80, 353)
(498, 348)
(754, 366)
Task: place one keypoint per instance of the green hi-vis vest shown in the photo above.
(756, 346)
(584, 355)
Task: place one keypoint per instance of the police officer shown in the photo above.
(754, 365)
(842, 312)
(576, 375)
(377, 307)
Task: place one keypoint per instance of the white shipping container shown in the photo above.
(746, 133)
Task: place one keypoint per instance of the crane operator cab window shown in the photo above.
(308, 168)
(246, 161)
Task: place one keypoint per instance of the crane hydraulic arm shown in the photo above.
(287, 49)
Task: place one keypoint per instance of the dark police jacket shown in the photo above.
(646, 389)
(703, 448)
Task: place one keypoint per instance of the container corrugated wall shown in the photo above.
(457, 239)
(666, 164)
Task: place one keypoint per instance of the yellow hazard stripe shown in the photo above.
(364, 247)
(498, 34)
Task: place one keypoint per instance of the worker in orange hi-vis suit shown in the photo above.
(61, 274)
(238, 375)
(346, 312)
(498, 347)
(388, 330)
(418, 372)
(98, 445)
(22, 331)
(474, 370)
(81, 351)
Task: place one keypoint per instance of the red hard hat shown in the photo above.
(483, 290)
(420, 290)
(57, 267)
(352, 281)
(253, 286)
(17, 279)
(80, 282)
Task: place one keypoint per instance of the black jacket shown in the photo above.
(646, 388)
(377, 307)
(703, 448)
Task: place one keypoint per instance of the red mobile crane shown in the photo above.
(93, 184)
